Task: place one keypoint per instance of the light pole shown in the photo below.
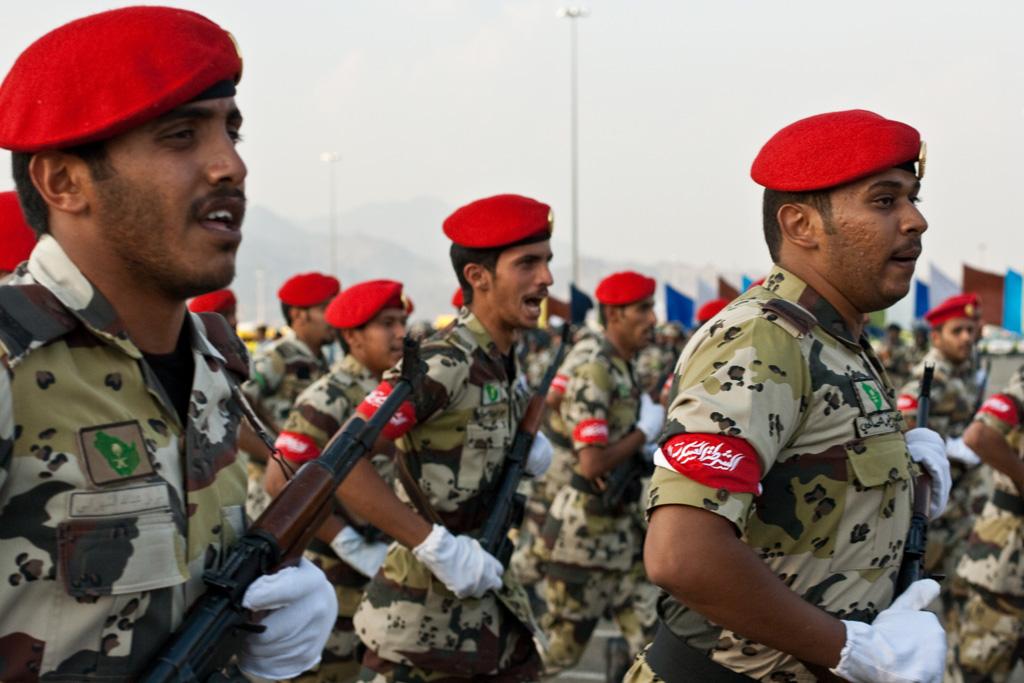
(574, 13)
(331, 158)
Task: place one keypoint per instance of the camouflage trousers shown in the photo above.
(947, 544)
(577, 598)
(990, 633)
(531, 552)
(523, 666)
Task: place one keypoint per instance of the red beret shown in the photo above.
(308, 289)
(107, 73)
(218, 302)
(832, 149)
(458, 301)
(711, 309)
(409, 305)
(357, 305)
(498, 222)
(959, 306)
(622, 289)
(16, 237)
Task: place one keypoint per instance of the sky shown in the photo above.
(458, 99)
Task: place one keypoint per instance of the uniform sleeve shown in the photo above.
(740, 396)
(317, 414)
(446, 374)
(1004, 411)
(585, 406)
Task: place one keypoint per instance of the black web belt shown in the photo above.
(1008, 502)
(676, 662)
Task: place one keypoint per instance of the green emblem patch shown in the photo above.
(872, 394)
(492, 393)
(115, 452)
(122, 457)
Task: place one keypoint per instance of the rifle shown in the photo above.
(510, 505)
(217, 623)
(980, 398)
(618, 482)
(912, 564)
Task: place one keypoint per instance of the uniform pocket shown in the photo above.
(876, 504)
(120, 555)
(483, 452)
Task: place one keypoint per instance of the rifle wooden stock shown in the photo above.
(216, 624)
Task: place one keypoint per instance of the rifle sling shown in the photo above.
(416, 495)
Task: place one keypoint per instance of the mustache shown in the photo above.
(223, 192)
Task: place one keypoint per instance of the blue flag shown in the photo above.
(745, 282)
(1012, 286)
(579, 304)
(921, 304)
(678, 307)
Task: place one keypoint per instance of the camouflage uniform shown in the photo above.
(319, 412)
(898, 363)
(465, 417)
(110, 508)
(953, 394)
(593, 548)
(649, 367)
(530, 552)
(780, 369)
(992, 623)
(281, 370)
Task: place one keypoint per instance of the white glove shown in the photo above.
(539, 459)
(957, 450)
(652, 417)
(904, 644)
(459, 562)
(929, 450)
(303, 608)
(364, 557)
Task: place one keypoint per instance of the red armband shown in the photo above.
(400, 423)
(667, 386)
(296, 447)
(719, 462)
(559, 383)
(906, 403)
(591, 432)
(1001, 407)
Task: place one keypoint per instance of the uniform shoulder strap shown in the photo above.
(224, 339)
(789, 316)
(31, 316)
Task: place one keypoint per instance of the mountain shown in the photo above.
(401, 241)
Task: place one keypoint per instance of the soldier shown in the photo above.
(593, 540)
(439, 606)
(283, 368)
(370, 318)
(119, 483)
(16, 237)
(530, 552)
(781, 497)
(221, 301)
(953, 397)
(992, 623)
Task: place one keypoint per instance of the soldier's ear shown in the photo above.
(477, 276)
(61, 181)
(800, 224)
